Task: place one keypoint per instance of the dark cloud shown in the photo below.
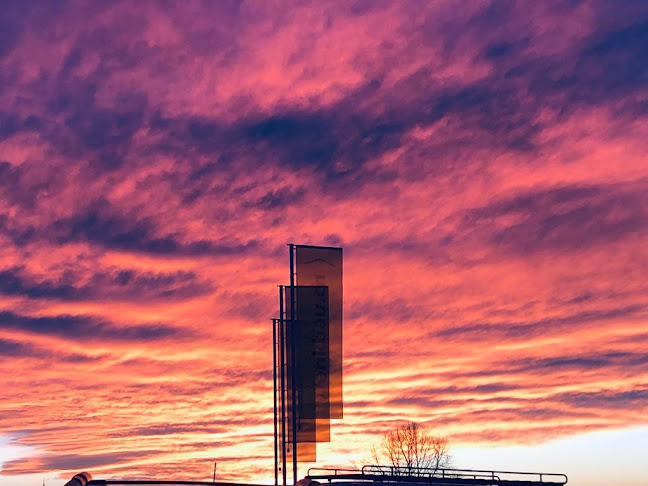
(515, 330)
(612, 59)
(11, 349)
(605, 66)
(11, 283)
(300, 138)
(9, 124)
(606, 399)
(567, 218)
(540, 414)
(83, 327)
(598, 361)
(101, 223)
(532, 202)
(164, 285)
(574, 365)
(100, 135)
(279, 199)
(12, 24)
(119, 284)
(379, 310)
(449, 393)
(101, 128)
(27, 186)
(73, 462)
(197, 427)
(338, 140)
(499, 50)
(171, 429)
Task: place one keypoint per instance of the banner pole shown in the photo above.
(274, 393)
(293, 360)
(282, 379)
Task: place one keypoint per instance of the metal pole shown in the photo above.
(293, 360)
(282, 392)
(274, 393)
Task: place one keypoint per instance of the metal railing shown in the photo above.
(313, 471)
(420, 472)
(436, 475)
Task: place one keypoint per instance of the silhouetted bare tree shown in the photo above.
(410, 447)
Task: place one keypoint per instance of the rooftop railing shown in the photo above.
(416, 475)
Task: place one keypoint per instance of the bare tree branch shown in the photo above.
(410, 448)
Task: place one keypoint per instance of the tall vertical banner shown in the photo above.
(311, 329)
(322, 267)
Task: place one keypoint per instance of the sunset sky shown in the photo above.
(482, 163)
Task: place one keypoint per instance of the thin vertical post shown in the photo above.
(274, 394)
(282, 376)
(293, 360)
